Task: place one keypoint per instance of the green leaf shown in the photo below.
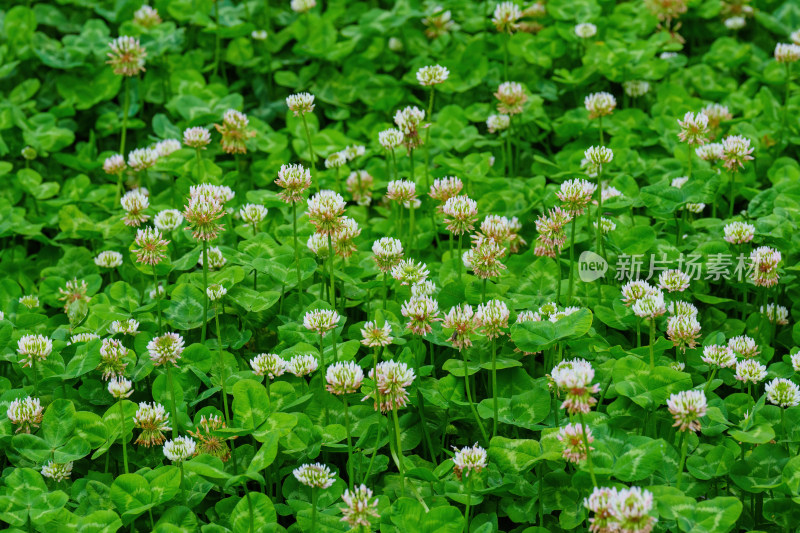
(58, 422)
(640, 462)
(131, 494)
(538, 336)
(263, 513)
(717, 515)
(250, 404)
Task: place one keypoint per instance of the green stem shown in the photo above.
(201, 171)
(427, 140)
(296, 252)
(495, 395)
(783, 428)
(394, 164)
(588, 450)
(35, 379)
(124, 444)
(311, 155)
(506, 37)
(222, 367)
(732, 193)
(399, 453)
(158, 299)
(652, 340)
(385, 290)
(173, 401)
(119, 188)
(331, 257)
(571, 261)
(205, 294)
(411, 234)
(598, 230)
(469, 399)
(322, 373)
(313, 509)
(183, 490)
(217, 39)
(710, 380)
(338, 180)
(469, 501)
(684, 446)
(125, 106)
(349, 444)
(458, 257)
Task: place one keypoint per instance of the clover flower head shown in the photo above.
(142, 158)
(787, 53)
(321, 320)
(497, 228)
(598, 156)
(795, 358)
(375, 336)
(461, 319)
(694, 128)
(574, 378)
(438, 23)
(764, 263)
(575, 195)
(318, 244)
(391, 138)
(695, 208)
(461, 212)
(600, 104)
(300, 103)
(497, 123)
(636, 290)
(585, 30)
(114, 164)
(108, 259)
(783, 393)
(606, 225)
(207, 441)
(492, 317)
(73, 291)
(432, 75)
(197, 137)
(795, 37)
(302, 365)
(779, 315)
(551, 232)
(739, 232)
(391, 381)
(396, 45)
(359, 184)
(683, 331)
(112, 359)
(166, 147)
(168, 220)
(345, 237)
(314, 475)
(336, 160)
(216, 259)
(26, 413)
(388, 253)
(636, 88)
(599, 502)
(166, 349)
(469, 459)
(28, 153)
(423, 289)
(82, 337)
(126, 56)
(401, 191)
(34, 347)
(179, 449)
(203, 214)
(152, 248)
(253, 213)
(295, 181)
(735, 23)
(343, 378)
(716, 113)
(574, 447)
(354, 151)
(718, 355)
(631, 510)
(235, 131)
(153, 420)
(506, 17)
(215, 292)
(445, 188)
(146, 17)
(360, 507)
(325, 210)
(421, 312)
(650, 306)
(409, 121)
(125, 327)
(751, 371)
(120, 388)
(735, 151)
(268, 364)
(673, 281)
(409, 272)
(744, 346)
(134, 202)
(58, 472)
(511, 96)
(710, 151)
(217, 193)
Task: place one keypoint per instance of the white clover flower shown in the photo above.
(497, 123)
(58, 472)
(314, 475)
(606, 225)
(321, 320)
(677, 365)
(197, 137)
(34, 347)
(112, 359)
(318, 244)
(336, 160)
(215, 258)
(423, 289)
(166, 349)
(470, 460)
(345, 238)
(687, 408)
(302, 6)
(787, 53)
(492, 317)
(300, 103)
(735, 151)
(108, 259)
(744, 346)
(695, 208)
(575, 195)
(157, 292)
(585, 30)
(683, 331)
(796, 361)
(25, 413)
(114, 164)
(134, 202)
(354, 151)
(735, 23)
(716, 113)
(268, 364)
(600, 104)
(302, 365)
(259, 35)
(710, 151)
(391, 382)
(360, 507)
(719, 356)
(409, 272)
(764, 262)
(781, 317)
(179, 449)
(120, 388)
(694, 128)
(598, 156)
(142, 158)
(167, 147)
(126, 327)
(630, 509)
(751, 371)
(153, 420)
(512, 97)
(343, 378)
(410, 120)
(636, 290)
(461, 212)
(388, 253)
(678, 183)
(29, 300)
(674, 280)
(82, 337)
(253, 213)
(432, 75)
(574, 447)
(152, 249)
(421, 312)
(506, 17)
(168, 220)
(146, 16)
(668, 55)
(783, 393)
(636, 88)
(295, 181)
(739, 232)
(215, 292)
(126, 56)
(599, 502)
(574, 378)
(325, 210)
(374, 336)
(650, 305)
(391, 138)
(395, 44)
(445, 188)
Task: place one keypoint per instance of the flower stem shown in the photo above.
(571, 262)
(201, 171)
(349, 444)
(412, 236)
(732, 193)
(588, 450)
(399, 449)
(125, 106)
(684, 446)
(311, 155)
(313, 509)
(222, 366)
(428, 138)
(158, 299)
(119, 187)
(173, 401)
(385, 290)
(322, 372)
(296, 253)
(124, 444)
(469, 501)
(495, 395)
(205, 293)
(652, 340)
(331, 258)
(183, 491)
(35, 379)
(458, 257)
(506, 37)
(710, 379)
(469, 399)
(598, 230)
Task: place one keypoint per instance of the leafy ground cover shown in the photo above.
(399, 266)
